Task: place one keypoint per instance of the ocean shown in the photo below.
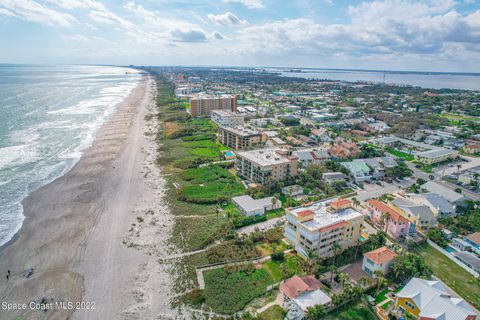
(433, 80)
(48, 115)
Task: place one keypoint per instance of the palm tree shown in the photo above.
(380, 280)
(316, 312)
(333, 270)
(343, 278)
(355, 201)
(387, 217)
(335, 247)
(458, 167)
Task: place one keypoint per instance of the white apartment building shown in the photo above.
(317, 226)
(226, 118)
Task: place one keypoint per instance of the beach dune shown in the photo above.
(87, 235)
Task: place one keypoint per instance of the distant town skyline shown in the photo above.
(434, 35)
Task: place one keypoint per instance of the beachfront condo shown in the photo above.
(239, 138)
(203, 104)
(316, 227)
(266, 166)
(226, 118)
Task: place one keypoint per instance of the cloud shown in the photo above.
(109, 18)
(189, 35)
(35, 12)
(251, 4)
(226, 19)
(75, 37)
(5, 12)
(415, 28)
(78, 4)
(215, 35)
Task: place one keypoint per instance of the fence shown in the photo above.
(452, 257)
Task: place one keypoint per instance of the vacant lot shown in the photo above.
(400, 154)
(454, 276)
(228, 291)
(209, 185)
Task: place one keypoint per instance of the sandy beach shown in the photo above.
(94, 235)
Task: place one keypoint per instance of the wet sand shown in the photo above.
(94, 234)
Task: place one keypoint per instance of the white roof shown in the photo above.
(249, 204)
(323, 218)
(450, 195)
(434, 301)
(311, 298)
(264, 157)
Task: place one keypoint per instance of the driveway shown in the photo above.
(265, 224)
(375, 191)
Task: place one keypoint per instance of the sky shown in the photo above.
(433, 35)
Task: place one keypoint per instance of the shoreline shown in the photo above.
(80, 250)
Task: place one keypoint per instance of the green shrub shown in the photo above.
(278, 256)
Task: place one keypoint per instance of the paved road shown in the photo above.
(375, 191)
(467, 193)
(265, 224)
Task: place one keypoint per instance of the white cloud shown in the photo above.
(189, 35)
(110, 18)
(415, 28)
(251, 4)
(226, 19)
(75, 37)
(33, 11)
(78, 4)
(5, 12)
(215, 35)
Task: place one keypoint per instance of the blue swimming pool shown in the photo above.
(229, 154)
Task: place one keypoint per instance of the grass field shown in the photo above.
(462, 282)
(229, 292)
(282, 270)
(400, 154)
(273, 313)
(455, 119)
(357, 311)
(209, 185)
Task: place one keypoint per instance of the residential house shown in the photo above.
(391, 219)
(378, 260)
(429, 300)
(378, 171)
(316, 226)
(440, 206)
(343, 149)
(472, 148)
(301, 293)
(320, 135)
(332, 177)
(293, 190)
(461, 245)
(266, 166)
(389, 162)
(307, 157)
(474, 240)
(359, 170)
(446, 193)
(253, 207)
(422, 213)
(471, 260)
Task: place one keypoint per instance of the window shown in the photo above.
(408, 304)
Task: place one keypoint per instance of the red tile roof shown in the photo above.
(340, 202)
(381, 255)
(305, 213)
(295, 286)
(384, 208)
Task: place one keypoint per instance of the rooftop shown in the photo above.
(446, 193)
(381, 255)
(323, 218)
(295, 286)
(241, 131)
(264, 157)
(250, 204)
(435, 153)
(226, 113)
